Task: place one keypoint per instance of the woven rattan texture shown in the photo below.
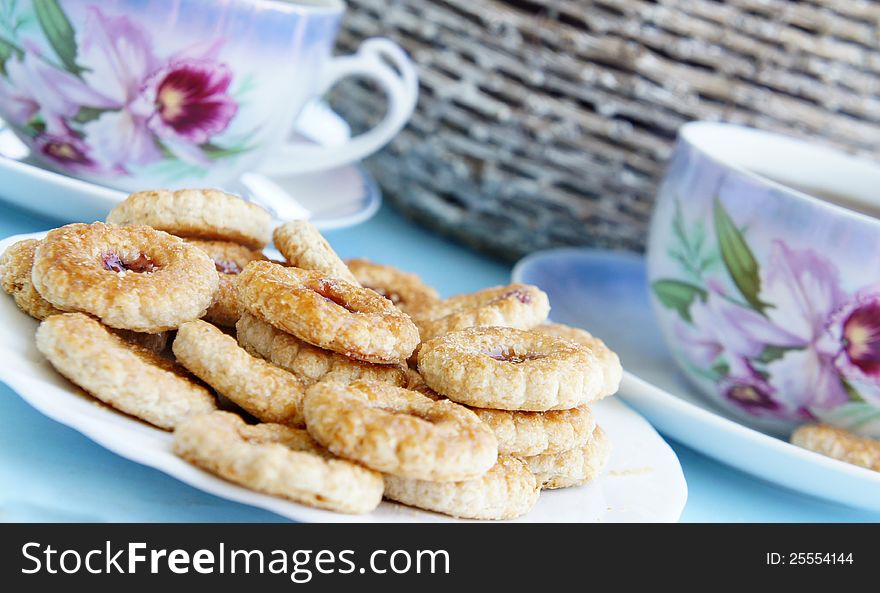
(549, 123)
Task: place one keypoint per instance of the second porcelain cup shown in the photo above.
(135, 94)
(765, 276)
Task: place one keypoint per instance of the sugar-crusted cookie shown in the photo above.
(399, 432)
(535, 433)
(405, 290)
(510, 369)
(197, 214)
(520, 306)
(309, 363)
(573, 467)
(16, 265)
(608, 359)
(229, 260)
(277, 460)
(263, 390)
(129, 277)
(328, 312)
(300, 242)
(838, 444)
(506, 491)
(129, 378)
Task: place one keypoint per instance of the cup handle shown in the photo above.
(401, 89)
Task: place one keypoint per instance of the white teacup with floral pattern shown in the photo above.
(764, 266)
(136, 94)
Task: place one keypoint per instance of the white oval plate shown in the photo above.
(606, 293)
(332, 199)
(644, 481)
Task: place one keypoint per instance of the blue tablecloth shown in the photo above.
(49, 472)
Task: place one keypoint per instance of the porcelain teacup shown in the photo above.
(764, 267)
(136, 94)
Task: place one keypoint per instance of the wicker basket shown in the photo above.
(546, 123)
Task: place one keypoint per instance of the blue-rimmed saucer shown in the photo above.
(606, 293)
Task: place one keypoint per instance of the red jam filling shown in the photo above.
(520, 295)
(227, 267)
(140, 265)
(329, 291)
(391, 296)
(508, 355)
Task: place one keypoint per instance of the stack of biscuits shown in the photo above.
(329, 383)
(539, 406)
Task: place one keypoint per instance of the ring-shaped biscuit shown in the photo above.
(399, 432)
(130, 277)
(229, 260)
(197, 214)
(277, 460)
(608, 359)
(525, 434)
(328, 312)
(521, 306)
(131, 379)
(263, 390)
(839, 444)
(310, 363)
(16, 265)
(405, 290)
(303, 246)
(509, 489)
(573, 467)
(510, 369)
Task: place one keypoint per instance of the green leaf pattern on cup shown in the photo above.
(678, 295)
(59, 32)
(738, 258)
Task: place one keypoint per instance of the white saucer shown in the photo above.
(606, 293)
(331, 199)
(643, 483)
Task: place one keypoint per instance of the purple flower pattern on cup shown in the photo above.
(67, 151)
(191, 99)
(113, 102)
(783, 341)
